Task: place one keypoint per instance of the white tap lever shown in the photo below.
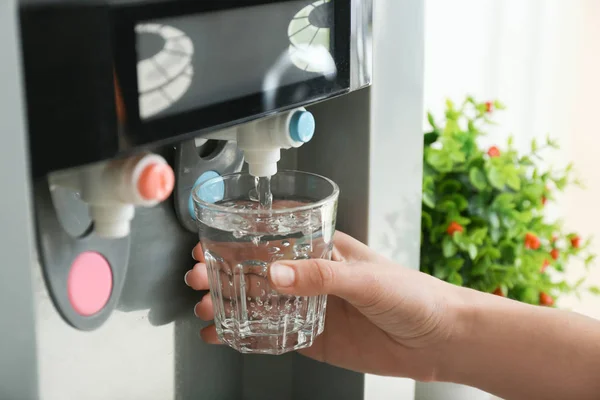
(113, 189)
(261, 141)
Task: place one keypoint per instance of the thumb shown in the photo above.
(356, 283)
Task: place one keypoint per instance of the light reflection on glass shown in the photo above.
(307, 31)
(310, 49)
(164, 77)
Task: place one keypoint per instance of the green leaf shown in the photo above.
(508, 252)
(471, 126)
(450, 186)
(469, 147)
(477, 235)
(426, 221)
(464, 221)
(458, 156)
(480, 268)
(455, 279)
(504, 201)
(496, 178)
(477, 178)
(513, 181)
(460, 201)
(438, 159)
(429, 199)
(524, 217)
(493, 253)
(569, 167)
(455, 264)
(430, 138)
(590, 259)
(431, 120)
(461, 240)
(561, 183)
(552, 143)
(494, 220)
(472, 251)
(558, 266)
(534, 145)
(525, 160)
(594, 290)
(446, 206)
(530, 296)
(440, 272)
(448, 247)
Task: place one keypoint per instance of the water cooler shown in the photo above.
(112, 110)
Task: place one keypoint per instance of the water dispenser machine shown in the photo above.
(112, 111)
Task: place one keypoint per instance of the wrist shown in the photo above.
(462, 311)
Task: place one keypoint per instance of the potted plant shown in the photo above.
(483, 222)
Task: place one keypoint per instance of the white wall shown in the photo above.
(584, 141)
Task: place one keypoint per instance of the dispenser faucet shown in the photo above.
(112, 189)
(261, 141)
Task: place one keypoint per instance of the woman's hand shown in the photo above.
(387, 320)
(381, 318)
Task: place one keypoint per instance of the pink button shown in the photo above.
(89, 283)
(156, 182)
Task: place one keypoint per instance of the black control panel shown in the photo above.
(106, 77)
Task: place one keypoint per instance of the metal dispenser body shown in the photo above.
(108, 85)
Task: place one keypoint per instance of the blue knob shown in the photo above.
(212, 194)
(302, 126)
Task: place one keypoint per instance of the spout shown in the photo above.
(261, 141)
(113, 189)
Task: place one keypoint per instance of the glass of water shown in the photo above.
(246, 224)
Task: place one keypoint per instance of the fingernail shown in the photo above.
(195, 310)
(185, 278)
(194, 258)
(282, 275)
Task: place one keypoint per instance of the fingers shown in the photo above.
(204, 309)
(197, 277)
(198, 253)
(357, 283)
(254, 284)
(346, 248)
(209, 335)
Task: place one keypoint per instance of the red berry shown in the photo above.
(554, 254)
(532, 241)
(489, 106)
(498, 292)
(453, 228)
(546, 299)
(575, 241)
(544, 200)
(545, 266)
(493, 152)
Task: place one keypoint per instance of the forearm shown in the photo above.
(519, 351)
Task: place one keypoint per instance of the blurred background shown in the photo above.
(541, 58)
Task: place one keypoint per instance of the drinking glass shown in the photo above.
(242, 236)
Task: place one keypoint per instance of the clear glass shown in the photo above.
(241, 239)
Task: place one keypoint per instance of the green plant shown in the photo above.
(483, 223)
